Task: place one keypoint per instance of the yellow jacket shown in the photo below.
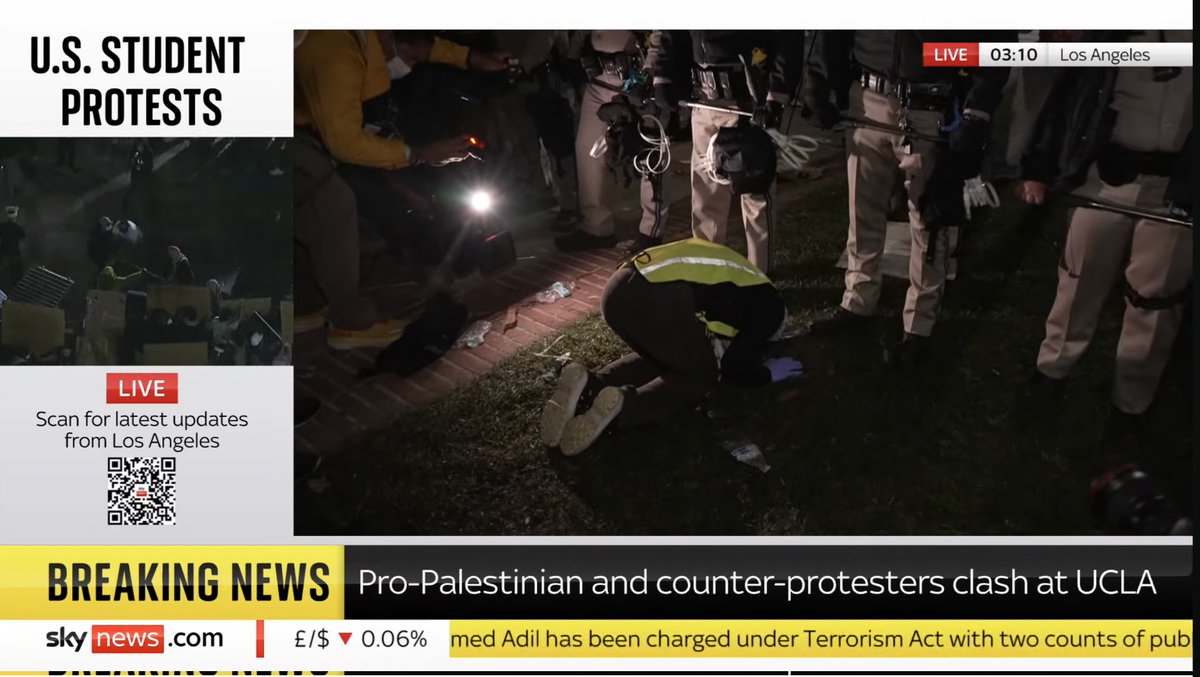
(335, 74)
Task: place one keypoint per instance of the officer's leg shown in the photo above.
(1090, 263)
(710, 200)
(758, 217)
(597, 217)
(1159, 276)
(870, 169)
(926, 268)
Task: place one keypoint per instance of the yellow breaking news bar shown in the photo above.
(822, 639)
(172, 583)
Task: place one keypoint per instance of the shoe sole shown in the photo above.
(305, 326)
(562, 404)
(354, 343)
(582, 432)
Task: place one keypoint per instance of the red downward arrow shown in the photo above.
(345, 636)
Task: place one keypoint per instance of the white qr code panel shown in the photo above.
(141, 491)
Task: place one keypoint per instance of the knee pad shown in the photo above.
(1156, 302)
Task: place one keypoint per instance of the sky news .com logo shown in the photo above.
(130, 639)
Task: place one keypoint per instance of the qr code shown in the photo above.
(141, 491)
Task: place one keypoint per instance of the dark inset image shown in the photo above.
(739, 282)
(145, 251)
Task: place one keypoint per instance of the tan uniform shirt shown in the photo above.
(1153, 116)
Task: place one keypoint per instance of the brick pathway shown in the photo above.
(352, 406)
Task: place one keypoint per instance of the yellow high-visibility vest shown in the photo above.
(700, 262)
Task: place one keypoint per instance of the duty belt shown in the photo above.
(722, 82)
(927, 95)
(1148, 163)
(615, 64)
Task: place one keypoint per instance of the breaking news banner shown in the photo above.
(535, 610)
(90, 81)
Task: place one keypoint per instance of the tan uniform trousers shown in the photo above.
(593, 205)
(1156, 260)
(872, 158)
(711, 200)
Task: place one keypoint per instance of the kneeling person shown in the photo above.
(696, 314)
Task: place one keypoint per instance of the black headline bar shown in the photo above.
(829, 582)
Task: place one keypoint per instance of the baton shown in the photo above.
(1091, 203)
(718, 109)
(890, 129)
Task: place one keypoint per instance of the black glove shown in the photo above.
(967, 144)
(769, 116)
(820, 110)
(941, 204)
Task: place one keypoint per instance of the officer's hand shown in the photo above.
(783, 368)
(1031, 192)
(821, 111)
(769, 116)
(488, 62)
(442, 151)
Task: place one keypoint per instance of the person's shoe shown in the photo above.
(1128, 437)
(378, 336)
(838, 319)
(580, 241)
(911, 352)
(566, 221)
(582, 432)
(641, 243)
(310, 321)
(561, 406)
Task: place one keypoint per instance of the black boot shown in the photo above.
(838, 319)
(641, 243)
(566, 221)
(580, 241)
(912, 352)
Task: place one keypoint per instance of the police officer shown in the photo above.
(753, 71)
(1145, 162)
(613, 63)
(891, 89)
(695, 314)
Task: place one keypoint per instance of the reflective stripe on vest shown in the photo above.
(699, 262)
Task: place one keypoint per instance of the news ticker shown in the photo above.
(1057, 54)
(432, 607)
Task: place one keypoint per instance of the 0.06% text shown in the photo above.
(386, 639)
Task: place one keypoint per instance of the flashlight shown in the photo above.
(480, 201)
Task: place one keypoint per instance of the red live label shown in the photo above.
(951, 54)
(143, 388)
(127, 639)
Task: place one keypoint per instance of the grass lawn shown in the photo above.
(855, 448)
